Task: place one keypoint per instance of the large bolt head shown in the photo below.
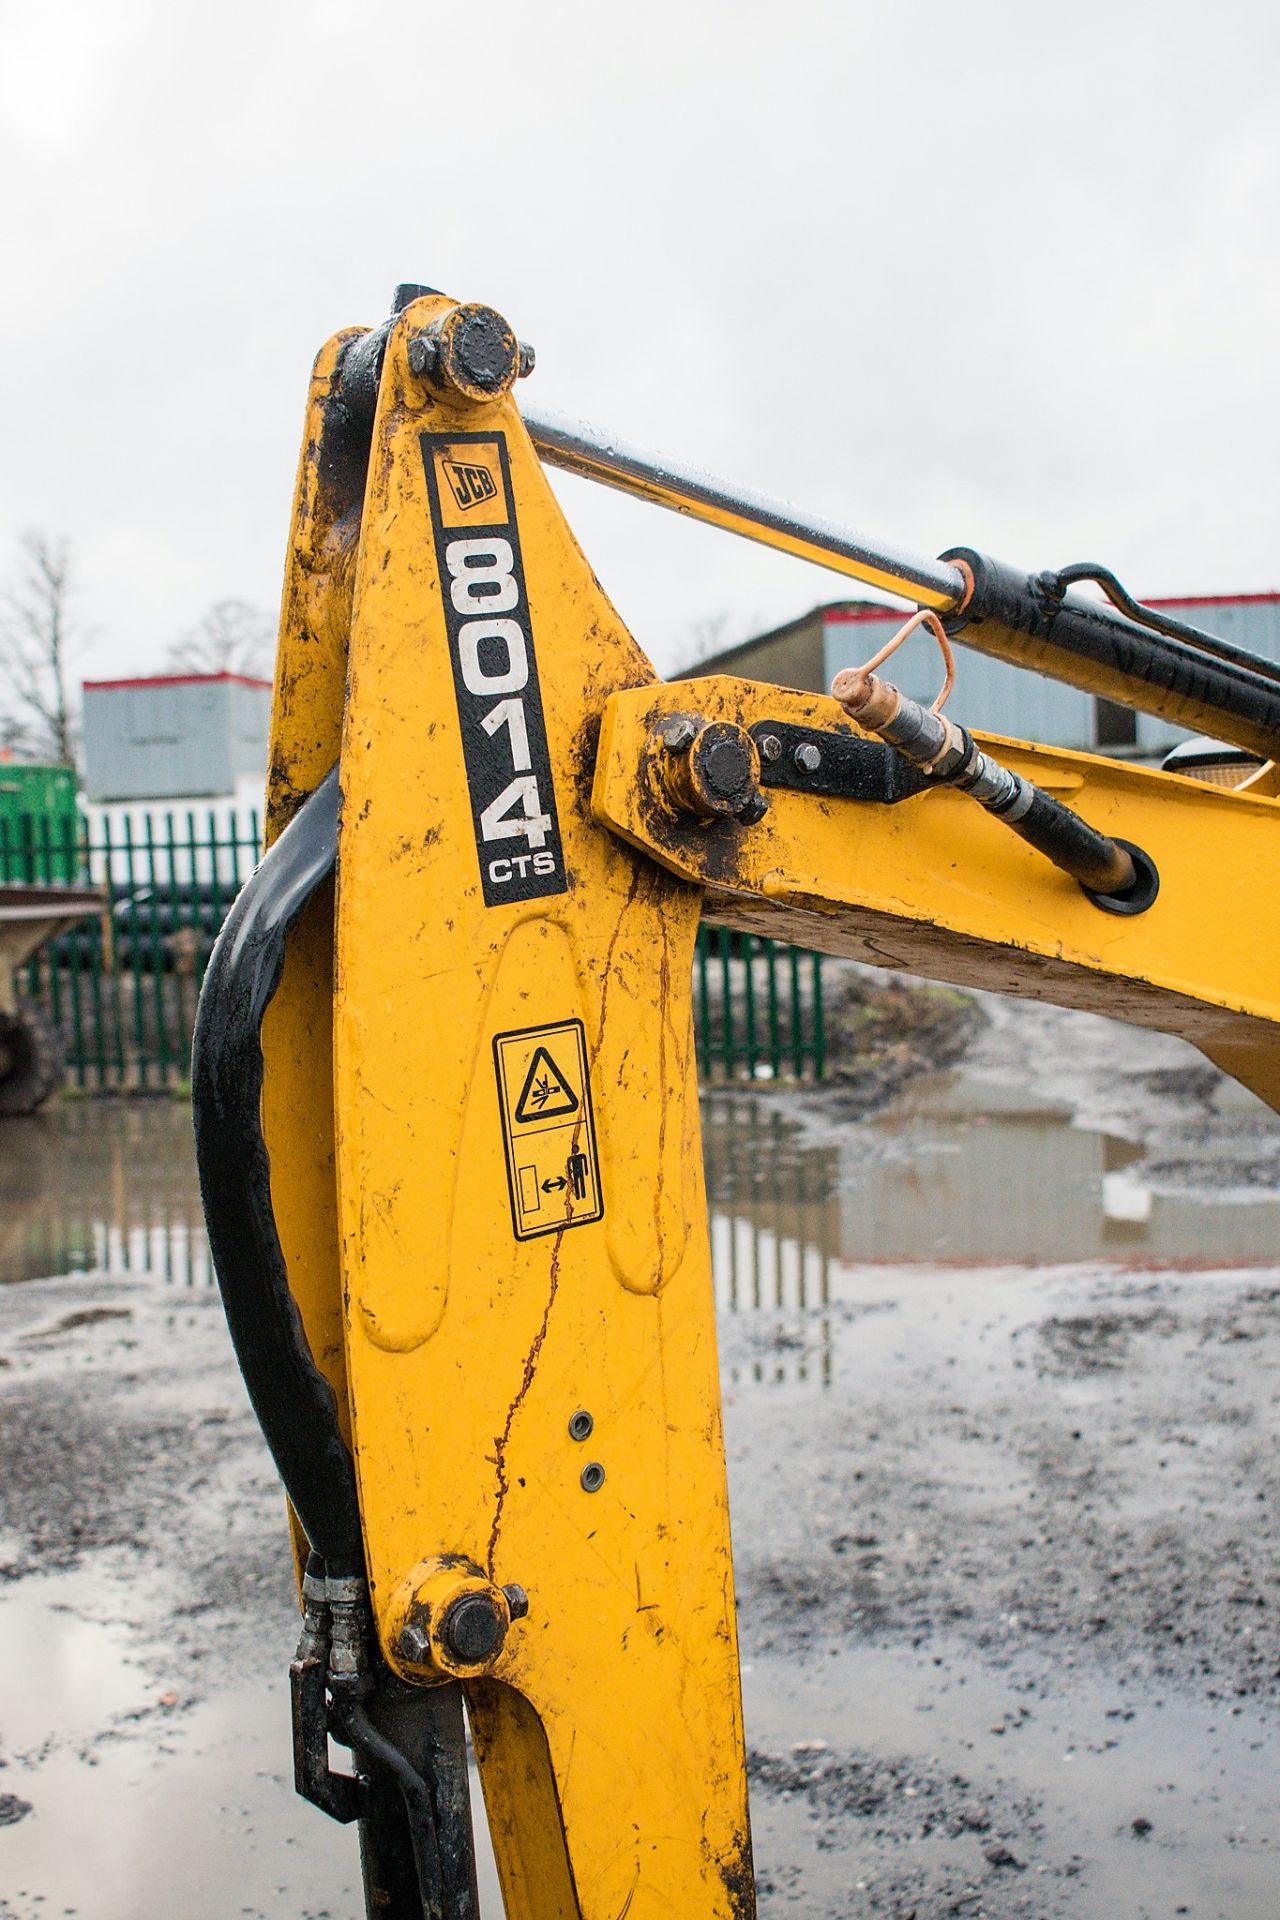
(724, 770)
(473, 1629)
(710, 769)
(725, 765)
(477, 354)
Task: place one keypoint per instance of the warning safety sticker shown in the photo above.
(553, 1169)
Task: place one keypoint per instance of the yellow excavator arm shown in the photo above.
(447, 1108)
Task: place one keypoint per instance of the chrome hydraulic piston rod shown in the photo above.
(1032, 620)
(576, 447)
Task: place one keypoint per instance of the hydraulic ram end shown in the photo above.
(1115, 875)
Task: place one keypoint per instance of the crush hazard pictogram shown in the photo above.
(546, 1092)
(548, 1128)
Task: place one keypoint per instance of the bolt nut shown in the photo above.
(424, 352)
(807, 757)
(679, 735)
(473, 1629)
(770, 747)
(581, 1425)
(754, 810)
(527, 361)
(517, 1600)
(592, 1477)
(413, 1643)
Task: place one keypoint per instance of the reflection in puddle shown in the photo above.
(775, 1222)
(953, 1174)
(64, 1675)
(132, 1797)
(107, 1184)
(150, 1782)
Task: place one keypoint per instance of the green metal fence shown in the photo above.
(757, 1008)
(122, 988)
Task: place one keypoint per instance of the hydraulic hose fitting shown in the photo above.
(349, 1632)
(1116, 876)
(873, 703)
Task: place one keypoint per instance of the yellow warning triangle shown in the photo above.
(546, 1093)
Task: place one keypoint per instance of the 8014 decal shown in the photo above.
(495, 670)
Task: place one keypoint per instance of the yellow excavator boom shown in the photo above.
(447, 1103)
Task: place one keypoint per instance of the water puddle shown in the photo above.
(102, 1184)
(837, 1251)
(807, 1220)
(1139, 1805)
(173, 1807)
(955, 1172)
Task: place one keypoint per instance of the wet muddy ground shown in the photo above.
(1001, 1367)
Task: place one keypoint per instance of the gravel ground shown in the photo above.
(1008, 1597)
(1044, 1516)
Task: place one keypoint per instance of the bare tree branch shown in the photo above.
(37, 636)
(233, 637)
(712, 633)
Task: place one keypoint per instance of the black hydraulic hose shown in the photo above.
(1100, 864)
(291, 1397)
(354, 1725)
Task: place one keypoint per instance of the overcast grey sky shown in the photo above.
(999, 273)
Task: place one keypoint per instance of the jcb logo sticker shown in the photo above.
(470, 488)
(495, 674)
